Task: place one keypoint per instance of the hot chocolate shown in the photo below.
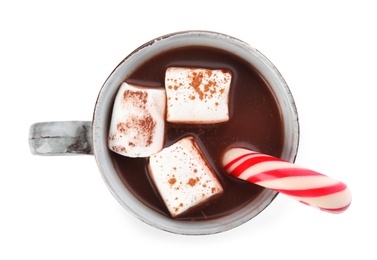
(254, 120)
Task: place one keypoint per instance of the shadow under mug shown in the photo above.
(90, 137)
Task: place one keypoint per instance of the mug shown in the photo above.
(90, 137)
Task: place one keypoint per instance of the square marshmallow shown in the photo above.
(197, 95)
(137, 127)
(183, 177)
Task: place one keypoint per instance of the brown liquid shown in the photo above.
(255, 121)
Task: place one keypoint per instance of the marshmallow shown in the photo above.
(197, 95)
(183, 177)
(137, 127)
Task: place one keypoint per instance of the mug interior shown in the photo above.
(102, 114)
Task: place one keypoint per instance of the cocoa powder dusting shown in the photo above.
(192, 181)
(196, 80)
(122, 127)
(118, 149)
(135, 95)
(141, 122)
(172, 181)
(206, 90)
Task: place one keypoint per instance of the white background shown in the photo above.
(54, 58)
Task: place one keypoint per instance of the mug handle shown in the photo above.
(61, 138)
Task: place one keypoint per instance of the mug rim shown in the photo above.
(101, 117)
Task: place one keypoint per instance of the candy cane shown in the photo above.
(307, 186)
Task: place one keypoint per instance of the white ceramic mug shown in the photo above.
(90, 137)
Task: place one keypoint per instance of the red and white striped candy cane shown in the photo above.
(307, 186)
